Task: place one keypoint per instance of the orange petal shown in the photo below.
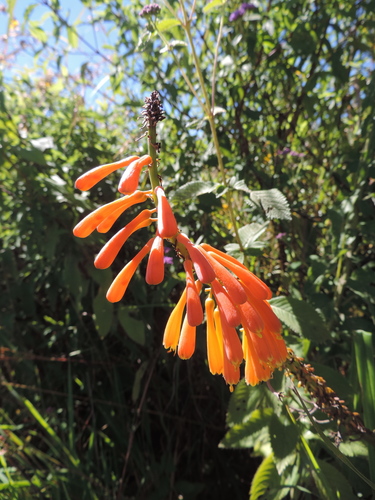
(226, 306)
(130, 178)
(118, 288)
(173, 327)
(194, 310)
(255, 372)
(231, 284)
(251, 318)
(209, 248)
(92, 221)
(259, 289)
(93, 176)
(111, 249)
(133, 199)
(271, 321)
(214, 350)
(155, 265)
(276, 347)
(167, 225)
(232, 343)
(186, 345)
(231, 373)
(203, 268)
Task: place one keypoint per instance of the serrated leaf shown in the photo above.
(250, 233)
(283, 437)
(217, 110)
(172, 44)
(242, 402)
(167, 24)
(237, 435)
(354, 449)
(43, 143)
(193, 188)
(273, 202)
(134, 328)
(213, 5)
(300, 317)
(265, 478)
(337, 481)
(239, 185)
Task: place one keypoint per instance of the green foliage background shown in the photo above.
(92, 406)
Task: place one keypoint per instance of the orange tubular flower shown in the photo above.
(173, 327)
(118, 288)
(186, 345)
(214, 347)
(93, 176)
(130, 178)
(93, 220)
(109, 252)
(167, 225)
(226, 306)
(194, 310)
(202, 266)
(155, 265)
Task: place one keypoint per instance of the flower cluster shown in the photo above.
(241, 11)
(150, 10)
(236, 298)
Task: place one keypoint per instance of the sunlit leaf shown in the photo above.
(301, 317)
(273, 202)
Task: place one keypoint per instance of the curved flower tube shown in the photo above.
(155, 265)
(130, 178)
(203, 268)
(93, 220)
(118, 288)
(109, 252)
(167, 225)
(93, 176)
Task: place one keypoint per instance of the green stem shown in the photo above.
(208, 110)
(319, 478)
(152, 151)
(330, 446)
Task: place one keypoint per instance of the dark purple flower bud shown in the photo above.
(241, 11)
(150, 10)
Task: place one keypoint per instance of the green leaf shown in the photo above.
(213, 5)
(273, 202)
(167, 24)
(37, 32)
(103, 313)
(337, 481)
(250, 233)
(242, 402)
(283, 438)
(236, 436)
(192, 189)
(134, 328)
(301, 317)
(72, 36)
(172, 44)
(265, 478)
